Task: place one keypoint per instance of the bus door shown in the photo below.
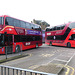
(8, 39)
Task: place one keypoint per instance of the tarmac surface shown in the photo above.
(46, 55)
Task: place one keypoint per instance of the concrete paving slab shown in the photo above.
(57, 61)
(63, 58)
(50, 68)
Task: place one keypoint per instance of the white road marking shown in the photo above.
(54, 58)
(61, 60)
(65, 55)
(70, 59)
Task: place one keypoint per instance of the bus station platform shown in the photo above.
(5, 58)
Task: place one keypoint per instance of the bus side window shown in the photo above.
(72, 37)
(9, 21)
(72, 25)
(0, 20)
(23, 24)
(8, 39)
(6, 22)
(32, 28)
(51, 29)
(54, 28)
(58, 28)
(62, 27)
(33, 38)
(17, 38)
(17, 23)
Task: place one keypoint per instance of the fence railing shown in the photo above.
(7, 70)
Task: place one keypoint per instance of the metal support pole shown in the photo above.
(21, 49)
(5, 70)
(6, 52)
(8, 71)
(16, 72)
(13, 72)
(20, 72)
(1, 70)
(24, 72)
(30, 73)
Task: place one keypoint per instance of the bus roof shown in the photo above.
(59, 25)
(19, 19)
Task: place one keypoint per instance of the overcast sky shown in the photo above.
(55, 12)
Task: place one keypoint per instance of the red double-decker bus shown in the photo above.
(61, 35)
(18, 34)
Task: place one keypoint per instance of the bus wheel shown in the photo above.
(50, 44)
(17, 49)
(37, 45)
(68, 45)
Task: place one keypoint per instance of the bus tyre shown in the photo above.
(17, 49)
(50, 44)
(37, 45)
(68, 45)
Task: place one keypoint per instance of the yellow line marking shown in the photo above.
(19, 59)
(47, 55)
(67, 67)
(33, 67)
(72, 70)
(68, 70)
(6, 27)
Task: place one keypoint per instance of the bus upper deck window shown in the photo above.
(1, 20)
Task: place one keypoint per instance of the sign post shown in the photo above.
(6, 52)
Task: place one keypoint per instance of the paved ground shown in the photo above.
(47, 55)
